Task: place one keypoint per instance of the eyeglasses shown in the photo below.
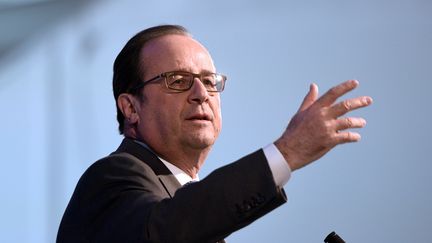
(182, 81)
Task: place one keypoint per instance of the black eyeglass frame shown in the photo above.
(194, 75)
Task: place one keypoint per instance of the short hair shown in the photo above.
(128, 68)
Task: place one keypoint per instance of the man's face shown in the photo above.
(169, 121)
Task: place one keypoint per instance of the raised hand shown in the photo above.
(317, 126)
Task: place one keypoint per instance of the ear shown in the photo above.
(126, 103)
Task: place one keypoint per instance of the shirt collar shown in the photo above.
(179, 174)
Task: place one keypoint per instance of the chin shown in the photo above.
(200, 138)
(201, 142)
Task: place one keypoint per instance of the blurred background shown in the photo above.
(58, 113)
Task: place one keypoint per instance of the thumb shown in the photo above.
(310, 97)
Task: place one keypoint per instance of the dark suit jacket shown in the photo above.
(130, 196)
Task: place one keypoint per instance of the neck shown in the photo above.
(185, 158)
(189, 161)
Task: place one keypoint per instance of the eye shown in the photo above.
(209, 81)
(178, 81)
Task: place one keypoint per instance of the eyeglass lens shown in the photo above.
(183, 81)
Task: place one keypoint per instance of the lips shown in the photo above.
(199, 117)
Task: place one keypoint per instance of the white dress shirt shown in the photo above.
(180, 175)
(278, 165)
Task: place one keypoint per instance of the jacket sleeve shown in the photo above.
(120, 200)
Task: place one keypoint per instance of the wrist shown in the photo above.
(290, 156)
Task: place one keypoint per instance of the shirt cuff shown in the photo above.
(278, 165)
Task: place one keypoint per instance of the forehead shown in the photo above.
(175, 52)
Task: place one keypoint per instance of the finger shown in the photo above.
(337, 91)
(345, 106)
(349, 122)
(347, 137)
(310, 97)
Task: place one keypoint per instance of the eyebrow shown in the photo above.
(189, 71)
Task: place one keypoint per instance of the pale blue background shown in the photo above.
(58, 114)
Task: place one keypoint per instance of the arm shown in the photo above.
(120, 199)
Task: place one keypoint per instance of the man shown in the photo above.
(168, 107)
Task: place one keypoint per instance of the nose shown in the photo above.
(198, 92)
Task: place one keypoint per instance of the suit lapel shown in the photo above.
(166, 178)
(170, 183)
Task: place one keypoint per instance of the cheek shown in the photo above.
(217, 113)
(156, 114)
(219, 125)
(171, 112)
(163, 121)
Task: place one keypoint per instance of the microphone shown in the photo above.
(333, 238)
